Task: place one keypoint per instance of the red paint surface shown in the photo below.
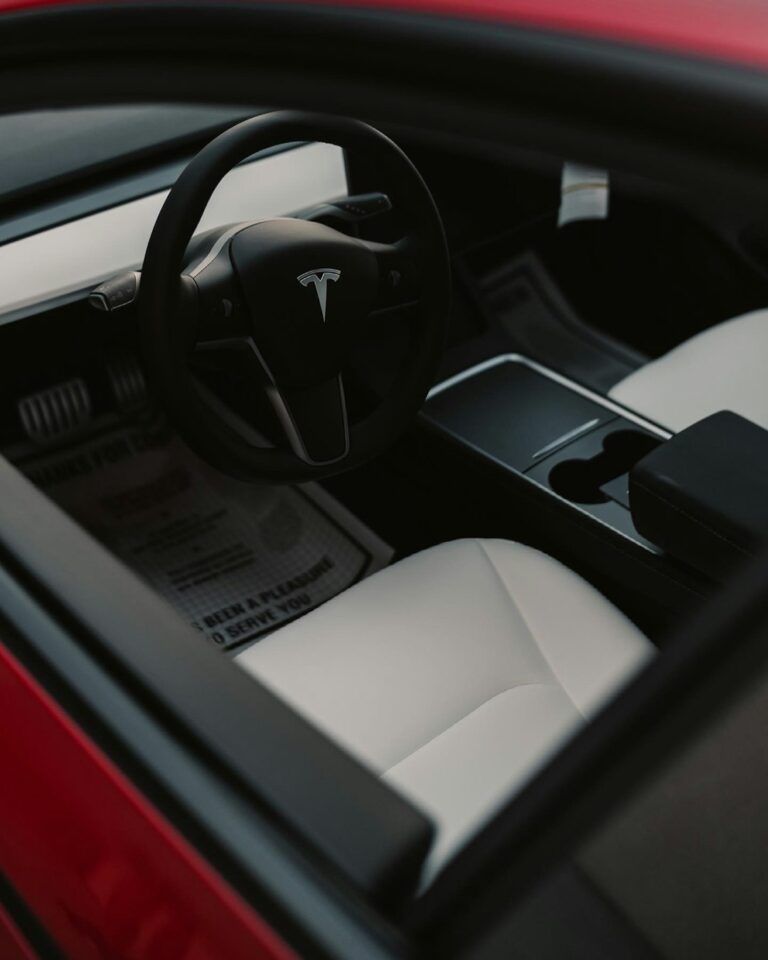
(105, 874)
(13, 946)
(731, 30)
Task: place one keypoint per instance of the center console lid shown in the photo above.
(703, 495)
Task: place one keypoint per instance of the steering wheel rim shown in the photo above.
(167, 297)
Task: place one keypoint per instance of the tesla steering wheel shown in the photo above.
(295, 296)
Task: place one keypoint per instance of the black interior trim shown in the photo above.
(567, 917)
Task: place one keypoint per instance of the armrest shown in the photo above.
(703, 495)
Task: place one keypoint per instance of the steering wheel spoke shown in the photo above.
(226, 353)
(313, 419)
(220, 312)
(221, 326)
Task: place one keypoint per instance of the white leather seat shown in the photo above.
(455, 673)
(723, 368)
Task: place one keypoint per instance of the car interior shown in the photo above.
(435, 448)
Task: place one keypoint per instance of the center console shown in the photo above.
(574, 444)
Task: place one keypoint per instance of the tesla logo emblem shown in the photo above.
(320, 280)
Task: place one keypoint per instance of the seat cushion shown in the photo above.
(455, 673)
(723, 368)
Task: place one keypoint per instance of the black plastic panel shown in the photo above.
(593, 473)
(514, 414)
(568, 444)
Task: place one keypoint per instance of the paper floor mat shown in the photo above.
(236, 559)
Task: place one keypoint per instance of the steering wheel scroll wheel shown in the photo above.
(295, 297)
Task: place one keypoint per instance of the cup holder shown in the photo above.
(580, 481)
